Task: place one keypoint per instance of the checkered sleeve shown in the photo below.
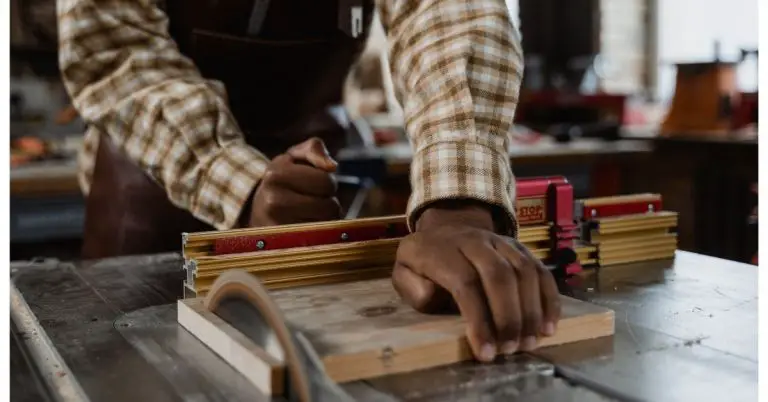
(127, 78)
(456, 67)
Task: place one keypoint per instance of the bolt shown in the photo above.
(344, 236)
(386, 355)
(260, 244)
(593, 213)
(650, 208)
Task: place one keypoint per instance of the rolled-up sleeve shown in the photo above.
(457, 68)
(128, 79)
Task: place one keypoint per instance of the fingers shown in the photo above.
(550, 296)
(418, 291)
(314, 152)
(457, 275)
(530, 301)
(501, 288)
(292, 191)
(466, 289)
(286, 207)
(302, 179)
(529, 293)
(505, 294)
(550, 301)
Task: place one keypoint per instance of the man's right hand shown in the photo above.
(297, 187)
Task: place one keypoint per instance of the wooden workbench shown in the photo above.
(684, 331)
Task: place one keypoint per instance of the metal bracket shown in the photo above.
(350, 17)
(356, 21)
(57, 375)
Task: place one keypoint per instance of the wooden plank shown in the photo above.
(264, 371)
(363, 330)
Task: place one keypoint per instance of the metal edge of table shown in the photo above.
(55, 374)
(26, 382)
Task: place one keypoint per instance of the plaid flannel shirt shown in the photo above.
(456, 67)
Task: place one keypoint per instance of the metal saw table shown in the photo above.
(106, 331)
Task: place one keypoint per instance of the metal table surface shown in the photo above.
(105, 330)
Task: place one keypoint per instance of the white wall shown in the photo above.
(622, 45)
(622, 37)
(688, 30)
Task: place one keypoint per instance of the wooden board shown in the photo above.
(363, 330)
(263, 370)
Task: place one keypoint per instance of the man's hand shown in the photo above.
(505, 294)
(297, 187)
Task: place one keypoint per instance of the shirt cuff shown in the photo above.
(463, 170)
(227, 185)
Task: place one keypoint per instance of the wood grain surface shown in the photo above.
(363, 330)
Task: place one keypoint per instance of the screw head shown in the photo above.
(344, 236)
(650, 208)
(593, 213)
(260, 244)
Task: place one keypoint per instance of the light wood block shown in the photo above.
(363, 330)
(263, 370)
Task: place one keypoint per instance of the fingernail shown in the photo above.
(529, 343)
(549, 329)
(488, 352)
(509, 347)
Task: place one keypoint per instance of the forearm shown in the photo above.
(127, 77)
(457, 68)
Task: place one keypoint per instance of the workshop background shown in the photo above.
(605, 103)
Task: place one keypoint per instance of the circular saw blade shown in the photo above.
(239, 298)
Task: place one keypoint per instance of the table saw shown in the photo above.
(106, 331)
(298, 313)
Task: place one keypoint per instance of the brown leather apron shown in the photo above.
(283, 63)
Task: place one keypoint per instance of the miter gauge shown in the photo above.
(238, 298)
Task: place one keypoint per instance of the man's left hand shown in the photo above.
(506, 295)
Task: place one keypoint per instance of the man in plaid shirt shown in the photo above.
(213, 114)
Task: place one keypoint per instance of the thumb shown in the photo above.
(421, 293)
(314, 152)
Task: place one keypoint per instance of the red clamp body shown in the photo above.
(565, 229)
(317, 237)
(553, 197)
(619, 206)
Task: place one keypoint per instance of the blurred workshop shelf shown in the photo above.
(544, 152)
(46, 202)
(709, 179)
